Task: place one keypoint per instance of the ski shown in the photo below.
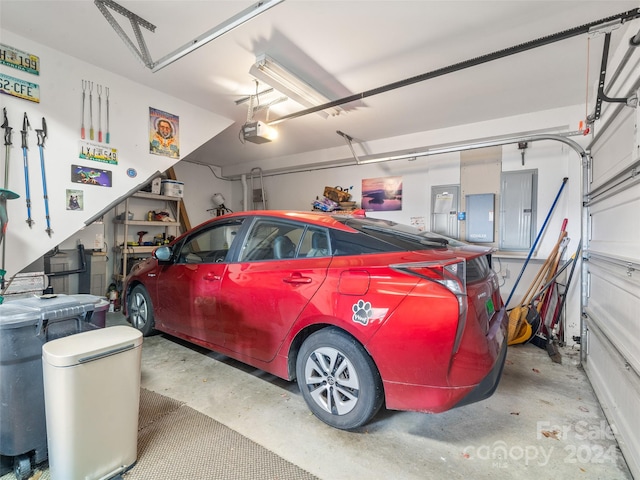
(25, 156)
(42, 135)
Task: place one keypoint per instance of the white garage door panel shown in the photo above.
(615, 225)
(618, 388)
(614, 151)
(613, 305)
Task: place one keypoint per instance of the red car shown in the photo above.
(360, 311)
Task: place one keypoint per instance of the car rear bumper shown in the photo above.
(489, 384)
(435, 399)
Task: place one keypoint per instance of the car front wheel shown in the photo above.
(140, 310)
(338, 379)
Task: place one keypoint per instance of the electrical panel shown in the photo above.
(480, 217)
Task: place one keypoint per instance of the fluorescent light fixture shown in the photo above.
(275, 75)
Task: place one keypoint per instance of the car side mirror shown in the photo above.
(163, 254)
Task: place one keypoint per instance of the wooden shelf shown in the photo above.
(147, 222)
(139, 248)
(124, 228)
(156, 196)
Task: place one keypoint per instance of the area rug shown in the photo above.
(178, 442)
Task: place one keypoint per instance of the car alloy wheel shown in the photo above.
(141, 310)
(338, 379)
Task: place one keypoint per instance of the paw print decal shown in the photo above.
(362, 312)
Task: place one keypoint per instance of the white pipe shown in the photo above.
(243, 179)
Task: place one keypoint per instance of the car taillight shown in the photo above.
(449, 273)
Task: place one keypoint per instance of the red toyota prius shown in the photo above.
(361, 311)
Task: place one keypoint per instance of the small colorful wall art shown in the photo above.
(164, 133)
(75, 200)
(382, 194)
(90, 176)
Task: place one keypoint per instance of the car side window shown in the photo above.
(344, 243)
(210, 245)
(315, 243)
(271, 240)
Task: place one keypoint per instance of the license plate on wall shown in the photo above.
(12, 57)
(19, 88)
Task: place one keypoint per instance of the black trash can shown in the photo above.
(25, 325)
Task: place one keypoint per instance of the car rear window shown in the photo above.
(378, 236)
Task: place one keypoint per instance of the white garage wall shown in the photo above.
(61, 103)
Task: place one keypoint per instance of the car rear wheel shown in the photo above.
(140, 310)
(338, 379)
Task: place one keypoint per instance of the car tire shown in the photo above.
(140, 310)
(338, 379)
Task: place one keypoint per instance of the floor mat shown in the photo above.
(177, 442)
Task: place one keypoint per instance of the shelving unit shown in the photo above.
(121, 227)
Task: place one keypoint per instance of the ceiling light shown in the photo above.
(275, 75)
(258, 132)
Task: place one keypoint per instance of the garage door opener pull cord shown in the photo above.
(42, 135)
(25, 156)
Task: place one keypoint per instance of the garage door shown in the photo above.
(611, 274)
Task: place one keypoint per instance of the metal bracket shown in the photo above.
(136, 22)
(603, 72)
(630, 269)
(349, 139)
(143, 52)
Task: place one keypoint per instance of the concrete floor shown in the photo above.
(543, 422)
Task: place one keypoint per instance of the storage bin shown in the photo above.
(172, 188)
(25, 325)
(92, 396)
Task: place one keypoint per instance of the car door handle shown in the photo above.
(296, 278)
(210, 277)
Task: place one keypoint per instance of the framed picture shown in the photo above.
(75, 200)
(382, 194)
(164, 133)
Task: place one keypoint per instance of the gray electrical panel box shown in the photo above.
(444, 210)
(480, 217)
(518, 209)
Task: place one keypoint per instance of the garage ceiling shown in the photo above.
(341, 48)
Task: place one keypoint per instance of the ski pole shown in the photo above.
(25, 125)
(7, 146)
(5, 194)
(42, 135)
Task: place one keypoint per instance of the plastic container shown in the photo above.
(92, 396)
(26, 324)
(172, 188)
